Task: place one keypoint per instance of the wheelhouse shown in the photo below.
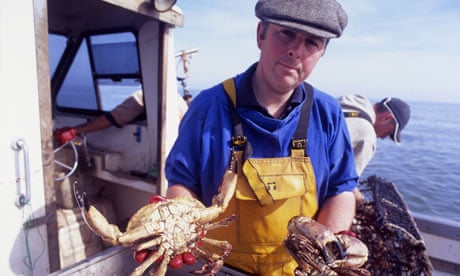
(69, 62)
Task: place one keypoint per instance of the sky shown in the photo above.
(408, 49)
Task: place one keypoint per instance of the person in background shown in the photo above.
(368, 121)
(122, 114)
(300, 160)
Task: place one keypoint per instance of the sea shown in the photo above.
(425, 165)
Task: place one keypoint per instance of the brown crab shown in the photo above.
(171, 227)
(318, 251)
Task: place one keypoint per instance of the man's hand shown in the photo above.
(65, 134)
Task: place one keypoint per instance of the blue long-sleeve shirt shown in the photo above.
(201, 152)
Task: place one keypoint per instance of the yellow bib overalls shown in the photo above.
(269, 192)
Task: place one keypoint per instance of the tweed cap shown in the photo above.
(323, 18)
(401, 112)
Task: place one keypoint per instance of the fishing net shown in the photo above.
(384, 223)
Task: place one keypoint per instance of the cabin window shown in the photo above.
(104, 71)
(57, 44)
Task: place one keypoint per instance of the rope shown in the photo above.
(30, 263)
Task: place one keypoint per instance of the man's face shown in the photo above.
(384, 125)
(288, 56)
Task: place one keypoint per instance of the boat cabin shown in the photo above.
(64, 63)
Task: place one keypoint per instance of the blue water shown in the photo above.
(425, 165)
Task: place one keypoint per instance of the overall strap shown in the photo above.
(299, 141)
(357, 114)
(239, 140)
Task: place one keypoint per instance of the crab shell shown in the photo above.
(150, 219)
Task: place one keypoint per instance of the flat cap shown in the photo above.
(323, 18)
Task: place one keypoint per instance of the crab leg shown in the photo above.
(224, 245)
(139, 233)
(304, 248)
(149, 244)
(229, 181)
(101, 226)
(214, 262)
(139, 271)
(221, 223)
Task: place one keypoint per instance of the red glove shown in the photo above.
(175, 262)
(141, 255)
(157, 198)
(65, 134)
(347, 232)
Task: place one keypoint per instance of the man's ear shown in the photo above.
(387, 116)
(260, 35)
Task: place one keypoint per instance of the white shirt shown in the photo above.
(362, 133)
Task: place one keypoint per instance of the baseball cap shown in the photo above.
(323, 18)
(401, 112)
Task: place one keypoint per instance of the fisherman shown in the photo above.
(298, 158)
(367, 121)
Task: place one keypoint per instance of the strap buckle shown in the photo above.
(299, 143)
(239, 140)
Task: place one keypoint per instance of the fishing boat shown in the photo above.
(64, 63)
(442, 241)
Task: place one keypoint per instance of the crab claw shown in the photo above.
(356, 252)
(101, 226)
(319, 234)
(340, 251)
(229, 182)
